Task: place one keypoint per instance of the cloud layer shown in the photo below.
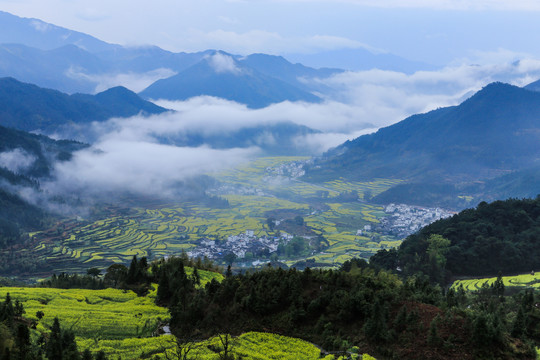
(16, 160)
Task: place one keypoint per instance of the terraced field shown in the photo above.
(251, 191)
(520, 281)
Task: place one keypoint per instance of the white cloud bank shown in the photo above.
(222, 63)
(17, 160)
(141, 167)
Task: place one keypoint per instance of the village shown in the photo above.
(244, 246)
(404, 220)
(292, 170)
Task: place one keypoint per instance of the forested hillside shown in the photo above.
(24, 160)
(338, 309)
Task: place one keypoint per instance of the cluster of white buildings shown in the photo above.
(404, 220)
(293, 169)
(238, 190)
(239, 245)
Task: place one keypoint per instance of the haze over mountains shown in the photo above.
(69, 61)
(266, 104)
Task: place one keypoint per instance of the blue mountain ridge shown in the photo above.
(28, 107)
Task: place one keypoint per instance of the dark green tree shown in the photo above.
(87, 355)
(94, 272)
(519, 327)
(53, 349)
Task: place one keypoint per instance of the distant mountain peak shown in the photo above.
(222, 75)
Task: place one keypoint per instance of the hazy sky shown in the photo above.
(434, 31)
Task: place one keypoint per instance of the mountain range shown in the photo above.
(487, 145)
(69, 61)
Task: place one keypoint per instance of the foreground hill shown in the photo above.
(353, 306)
(222, 76)
(29, 107)
(495, 132)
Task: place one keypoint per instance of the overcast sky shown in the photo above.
(433, 31)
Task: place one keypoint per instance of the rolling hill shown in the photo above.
(500, 236)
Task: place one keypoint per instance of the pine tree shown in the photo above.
(498, 286)
(54, 345)
(22, 341)
(375, 327)
(132, 275)
(196, 277)
(519, 326)
(164, 290)
(433, 338)
(400, 322)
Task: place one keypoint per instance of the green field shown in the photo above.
(121, 324)
(251, 345)
(93, 314)
(518, 281)
(167, 229)
(257, 346)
